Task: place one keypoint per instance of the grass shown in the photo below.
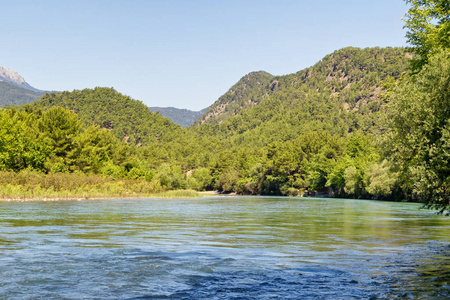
(29, 185)
(178, 194)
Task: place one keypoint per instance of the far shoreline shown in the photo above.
(167, 194)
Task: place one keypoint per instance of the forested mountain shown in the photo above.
(11, 94)
(154, 138)
(128, 119)
(247, 92)
(182, 117)
(338, 94)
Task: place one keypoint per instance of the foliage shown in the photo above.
(21, 146)
(128, 119)
(247, 92)
(199, 179)
(417, 137)
(56, 141)
(428, 25)
(170, 177)
(379, 179)
(59, 128)
(339, 94)
(153, 138)
(227, 181)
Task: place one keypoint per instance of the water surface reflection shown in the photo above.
(223, 247)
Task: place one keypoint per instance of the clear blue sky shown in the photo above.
(183, 53)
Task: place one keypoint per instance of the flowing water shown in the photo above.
(223, 248)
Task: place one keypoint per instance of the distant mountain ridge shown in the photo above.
(14, 90)
(8, 75)
(182, 117)
(11, 94)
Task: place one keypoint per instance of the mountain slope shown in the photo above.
(338, 94)
(11, 94)
(15, 78)
(247, 92)
(14, 90)
(182, 117)
(127, 118)
(157, 139)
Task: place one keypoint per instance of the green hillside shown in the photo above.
(155, 139)
(11, 94)
(247, 92)
(128, 119)
(338, 94)
(312, 131)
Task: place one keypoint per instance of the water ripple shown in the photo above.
(237, 248)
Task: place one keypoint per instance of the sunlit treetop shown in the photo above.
(428, 25)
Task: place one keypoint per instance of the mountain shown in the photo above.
(154, 137)
(338, 94)
(14, 90)
(182, 117)
(15, 78)
(128, 119)
(247, 92)
(11, 94)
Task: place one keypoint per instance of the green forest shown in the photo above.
(369, 123)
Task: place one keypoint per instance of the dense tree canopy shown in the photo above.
(418, 112)
(428, 25)
(338, 94)
(419, 131)
(127, 118)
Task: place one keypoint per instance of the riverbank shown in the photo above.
(34, 186)
(166, 194)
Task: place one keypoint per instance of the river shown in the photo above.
(223, 248)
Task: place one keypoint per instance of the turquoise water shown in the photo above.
(223, 248)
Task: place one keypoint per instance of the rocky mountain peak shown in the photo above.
(13, 77)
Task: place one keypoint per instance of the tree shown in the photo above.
(417, 138)
(227, 181)
(379, 180)
(20, 144)
(60, 127)
(170, 177)
(428, 25)
(349, 170)
(94, 148)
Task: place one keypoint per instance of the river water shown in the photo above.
(223, 248)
